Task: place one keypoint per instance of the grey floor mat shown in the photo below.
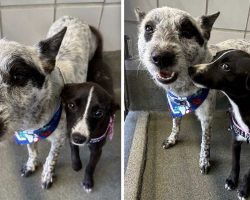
(174, 174)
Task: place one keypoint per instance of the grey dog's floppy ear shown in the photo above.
(49, 48)
(207, 22)
(139, 14)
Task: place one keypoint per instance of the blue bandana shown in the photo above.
(179, 106)
(30, 136)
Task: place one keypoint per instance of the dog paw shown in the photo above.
(242, 195)
(77, 166)
(230, 184)
(204, 168)
(168, 143)
(87, 185)
(27, 170)
(47, 180)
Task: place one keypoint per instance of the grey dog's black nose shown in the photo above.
(78, 138)
(163, 59)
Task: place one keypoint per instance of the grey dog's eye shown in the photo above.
(225, 67)
(149, 28)
(18, 77)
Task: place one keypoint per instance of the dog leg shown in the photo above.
(48, 173)
(205, 145)
(95, 154)
(232, 180)
(205, 115)
(244, 189)
(75, 157)
(172, 139)
(32, 162)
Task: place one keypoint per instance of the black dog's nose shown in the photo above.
(163, 60)
(78, 138)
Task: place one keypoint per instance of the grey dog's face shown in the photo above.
(170, 40)
(24, 81)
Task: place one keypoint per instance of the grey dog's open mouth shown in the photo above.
(166, 77)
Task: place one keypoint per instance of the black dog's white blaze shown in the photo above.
(237, 116)
(82, 125)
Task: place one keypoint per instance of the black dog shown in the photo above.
(229, 72)
(90, 109)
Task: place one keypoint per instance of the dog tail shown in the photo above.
(99, 50)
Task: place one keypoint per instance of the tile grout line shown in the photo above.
(206, 8)
(51, 4)
(100, 20)
(1, 26)
(54, 14)
(245, 33)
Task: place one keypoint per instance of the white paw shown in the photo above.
(204, 166)
(47, 180)
(87, 190)
(240, 196)
(227, 187)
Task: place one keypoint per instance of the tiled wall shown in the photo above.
(27, 21)
(232, 23)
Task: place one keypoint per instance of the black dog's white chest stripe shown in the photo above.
(237, 114)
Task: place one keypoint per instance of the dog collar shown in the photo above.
(30, 136)
(109, 131)
(179, 106)
(237, 130)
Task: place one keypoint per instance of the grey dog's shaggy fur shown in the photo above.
(31, 105)
(188, 52)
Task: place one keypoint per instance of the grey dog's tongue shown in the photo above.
(165, 74)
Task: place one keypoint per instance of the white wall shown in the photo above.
(27, 21)
(232, 23)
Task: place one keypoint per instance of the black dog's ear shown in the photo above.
(247, 82)
(49, 48)
(65, 92)
(206, 23)
(114, 107)
(139, 14)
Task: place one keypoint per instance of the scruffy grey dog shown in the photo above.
(31, 83)
(171, 40)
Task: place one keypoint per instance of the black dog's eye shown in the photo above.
(71, 106)
(225, 67)
(149, 28)
(99, 113)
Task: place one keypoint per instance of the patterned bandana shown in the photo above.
(179, 106)
(109, 131)
(29, 136)
(237, 130)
